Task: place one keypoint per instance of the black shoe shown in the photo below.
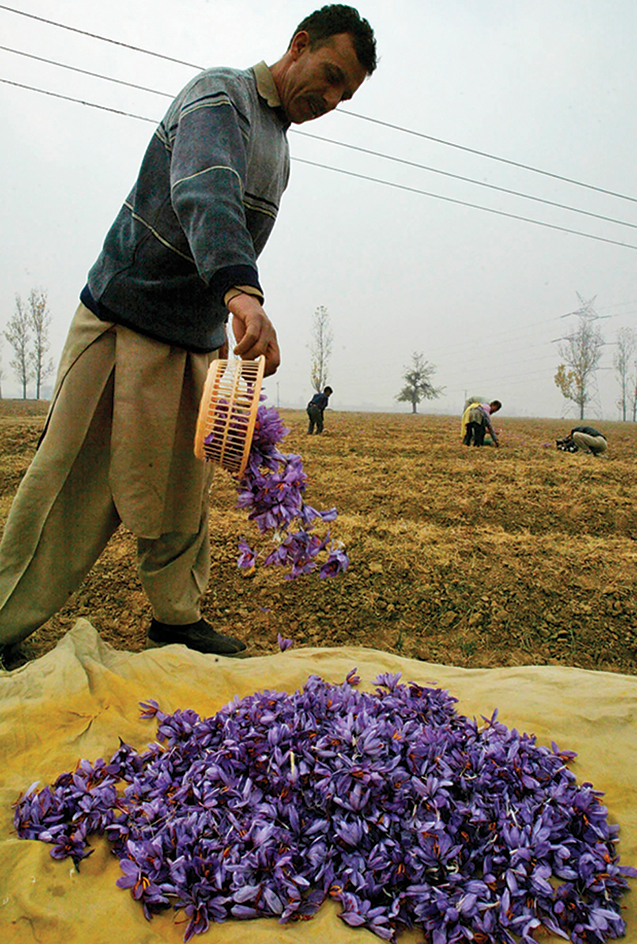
(200, 636)
(12, 657)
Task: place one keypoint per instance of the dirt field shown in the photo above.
(470, 557)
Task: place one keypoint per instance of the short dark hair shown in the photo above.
(328, 391)
(339, 18)
(495, 405)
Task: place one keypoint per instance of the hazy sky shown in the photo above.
(545, 83)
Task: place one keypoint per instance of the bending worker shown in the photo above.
(588, 439)
(315, 410)
(180, 258)
(476, 422)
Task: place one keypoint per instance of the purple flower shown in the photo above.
(337, 563)
(284, 643)
(271, 491)
(406, 812)
(247, 557)
(269, 429)
(132, 878)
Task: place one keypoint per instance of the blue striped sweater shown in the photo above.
(200, 213)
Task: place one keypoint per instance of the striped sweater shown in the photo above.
(200, 213)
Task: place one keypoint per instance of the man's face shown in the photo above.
(316, 80)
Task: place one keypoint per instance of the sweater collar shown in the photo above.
(266, 86)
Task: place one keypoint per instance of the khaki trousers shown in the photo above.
(117, 447)
(586, 443)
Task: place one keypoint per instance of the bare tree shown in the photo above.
(418, 385)
(39, 322)
(632, 393)
(320, 348)
(622, 362)
(18, 335)
(581, 353)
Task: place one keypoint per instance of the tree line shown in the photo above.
(576, 376)
(27, 332)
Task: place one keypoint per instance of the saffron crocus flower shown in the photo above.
(337, 563)
(271, 491)
(393, 804)
(247, 557)
(284, 643)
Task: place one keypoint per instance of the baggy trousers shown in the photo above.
(117, 447)
(587, 443)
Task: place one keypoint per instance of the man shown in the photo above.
(316, 408)
(584, 439)
(180, 258)
(476, 422)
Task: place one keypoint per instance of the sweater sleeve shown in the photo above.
(207, 179)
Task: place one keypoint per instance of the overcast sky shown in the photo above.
(545, 83)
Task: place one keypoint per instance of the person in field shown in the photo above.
(179, 260)
(315, 410)
(476, 422)
(584, 439)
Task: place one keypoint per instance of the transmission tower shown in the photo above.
(586, 312)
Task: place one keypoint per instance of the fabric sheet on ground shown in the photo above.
(80, 698)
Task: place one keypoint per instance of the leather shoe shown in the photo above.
(199, 636)
(12, 657)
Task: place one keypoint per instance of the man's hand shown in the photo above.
(254, 331)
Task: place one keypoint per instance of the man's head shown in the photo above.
(328, 391)
(330, 54)
(495, 405)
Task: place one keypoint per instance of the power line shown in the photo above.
(544, 356)
(342, 111)
(491, 157)
(475, 206)
(94, 75)
(471, 180)
(103, 39)
(492, 341)
(510, 337)
(338, 170)
(78, 101)
(343, 144)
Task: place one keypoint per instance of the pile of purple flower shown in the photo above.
(272, 490)
(407, 813)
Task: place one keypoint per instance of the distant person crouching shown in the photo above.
(584, 439)
(476, 422)
(315, 409)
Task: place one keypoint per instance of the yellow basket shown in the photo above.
(228, 413)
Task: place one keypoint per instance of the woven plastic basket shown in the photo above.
(228, 413)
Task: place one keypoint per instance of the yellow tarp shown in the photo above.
(78, 699)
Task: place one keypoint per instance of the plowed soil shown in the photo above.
(464, 556)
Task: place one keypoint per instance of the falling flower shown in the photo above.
(247, 557)
(391, 803)
(271, 491)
